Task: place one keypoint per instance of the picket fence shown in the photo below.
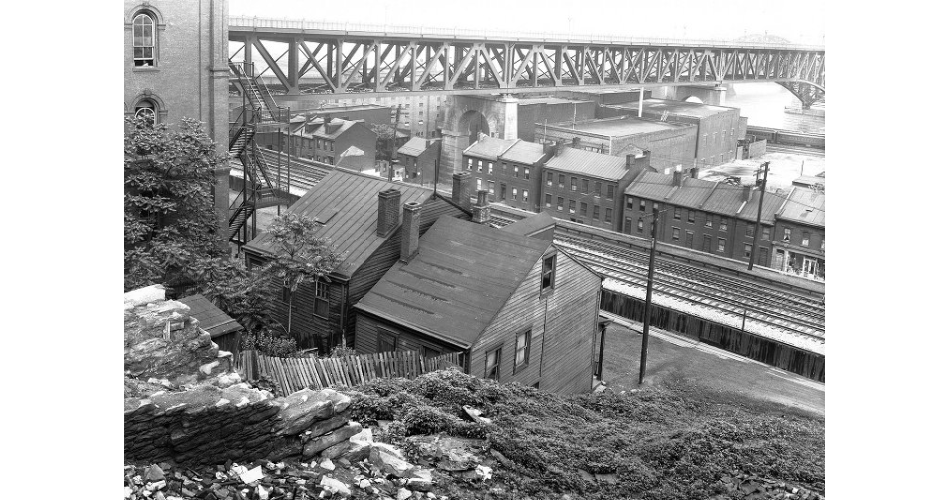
(292, 374)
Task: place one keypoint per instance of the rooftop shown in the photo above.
(317, 128)
(210, 318)
(455, 285)
(804, 206)
(531, 225)
(347, 203)
(489, 148)
(681, 108)
(523, 152)
(620, 126)
(524, 101)
(415, 146)
(588, 163)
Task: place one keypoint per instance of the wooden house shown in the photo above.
(361, 216)
(518, 308)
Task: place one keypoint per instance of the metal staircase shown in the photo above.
(259, 111)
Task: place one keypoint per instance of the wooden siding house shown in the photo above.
(518, 308)
(361, 216)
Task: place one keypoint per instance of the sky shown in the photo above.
(799, 21)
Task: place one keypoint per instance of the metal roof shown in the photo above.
(340, 126)
(531, 225)
(805, 206)
(348, 202)
(698, 194)
(210, 318)
(680, 108)
(459, 280)
(619, 126)
(588, 163)
(414, 147)
(489, 148)
(523, 152)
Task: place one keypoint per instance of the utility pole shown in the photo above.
(648, 296)
(760, 208)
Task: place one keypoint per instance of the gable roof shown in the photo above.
(588, 163)
(414, 147)
(210, 318)
(531, 225)
(489, 148)
(347, 203)
(523, 152)
(804, 206)
(459, 280)
(337, 127)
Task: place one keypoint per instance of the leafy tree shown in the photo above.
(300, 256)
(383, 143)
(169, 211)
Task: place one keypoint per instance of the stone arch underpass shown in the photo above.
(465, 117)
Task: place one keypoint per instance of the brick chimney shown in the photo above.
(549, 148)
(694, 172)
(389, 200)
(411, 222)
(481, 209)
(676, 178)
(461, 190)
(576, 143)
(746, 193)
(560, 146)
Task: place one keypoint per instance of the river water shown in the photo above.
(764, 105)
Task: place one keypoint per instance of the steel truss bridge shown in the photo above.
(319, 58)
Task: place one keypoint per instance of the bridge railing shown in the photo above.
(478, 34)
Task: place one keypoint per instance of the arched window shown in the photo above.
(146, 110)
(143, 40)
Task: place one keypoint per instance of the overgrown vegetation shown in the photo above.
(659, 443)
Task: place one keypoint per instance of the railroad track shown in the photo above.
(797, 150)
(303, 174)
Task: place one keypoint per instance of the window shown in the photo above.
(585, 185)
(490, 187)
(723, 225)
(526, 173)
(676, 233)
(749, 231)
(549, 178)
(513, 193)
(559, 203)
(656, 206)
(478, 184)
(145, 110)
(806, 239)
(610, 191)
(709, 221)
(747, 250)
(765, 234)
(503, 166)
(321, 305)
(627, 227)
(492, 364)
(428, 352)
(522, 354)
(720, 244)
(786, 234)
(573, 184)
(582, 208)
(470, 164)
(387, 341)
(143, 41)
(598, 191)
(548, 273)
(641, 225)
(595, 212)
(763, 256)
(572, 206)
(490, 167)
(608, 214)
(641, 205)
(517, 172)
(549, 200)
(331, 146)
(562, 180)
(689, 238)
(691, 216)
(480, 165)
(526, 195)
(677, 214)
(503, 191)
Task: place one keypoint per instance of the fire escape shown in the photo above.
(258, 114)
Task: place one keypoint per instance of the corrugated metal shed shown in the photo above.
(347, 203)
(489, 148)
(524, 152)
(588, 163)
(806, 207)
(458, 281)
(210, 318)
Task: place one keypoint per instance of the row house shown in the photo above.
(361, 216)
(346, 143)
(712, 217)
(508, 169)
(516, 307)
(800, 236)
(587, 187)
(418, 157)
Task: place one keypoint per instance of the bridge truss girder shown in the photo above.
(332, 64)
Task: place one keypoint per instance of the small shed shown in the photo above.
(224, 330)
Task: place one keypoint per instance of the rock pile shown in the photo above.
(751, 487)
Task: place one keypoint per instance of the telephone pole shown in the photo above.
(648, 296)
(760, 208)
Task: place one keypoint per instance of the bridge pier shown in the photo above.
(715, 95)
(463, 115)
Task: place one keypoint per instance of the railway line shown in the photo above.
(796, 150)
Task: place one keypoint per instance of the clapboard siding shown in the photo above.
(562, 323)
(310, 330)
(367, 327)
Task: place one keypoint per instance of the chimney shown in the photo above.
(482, 209)
(411, 221)
(676, 178)
(747, 191)
(389, 200)
(461, 190)
(560, 145)
(694, 172)
(576, 143)
(549, 148)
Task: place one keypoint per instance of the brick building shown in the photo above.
(717, 126)
(418, 158)
(372, 115)
(712, 217)
(508, 169)
(587, 187)
(800, 235)
(518, 308)
(361, 215)
(176, 67)
(533, 111)
(671, 144)
(349, 144)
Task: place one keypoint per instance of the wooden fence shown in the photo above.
(292, 374)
